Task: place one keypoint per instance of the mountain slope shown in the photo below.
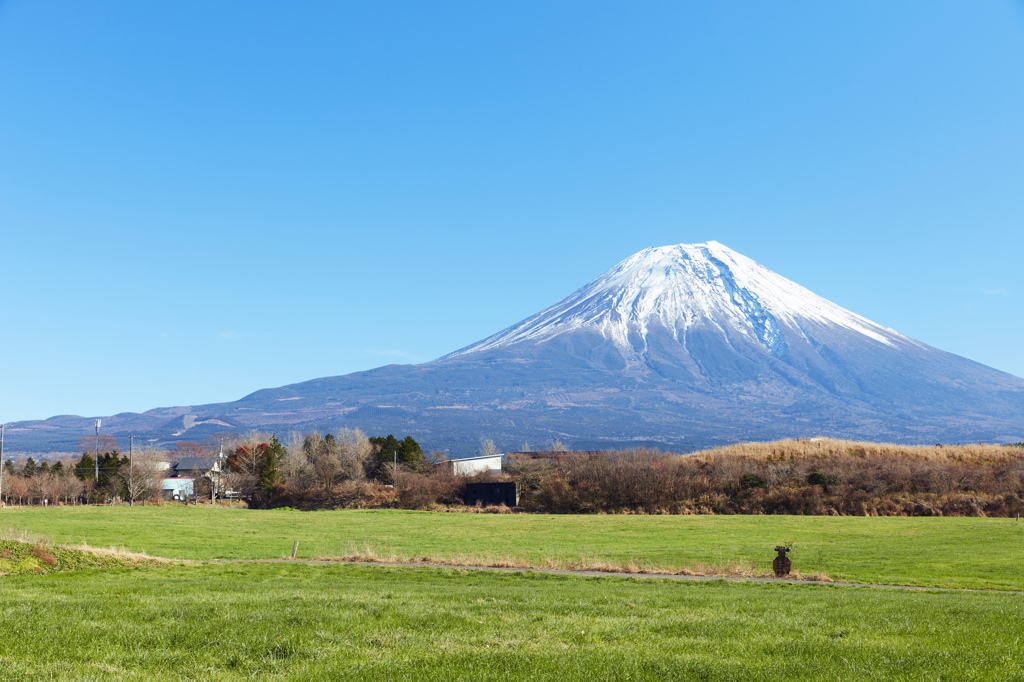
(682, 346)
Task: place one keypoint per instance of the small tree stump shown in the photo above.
(781, 564)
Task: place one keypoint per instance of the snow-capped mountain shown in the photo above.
(679, 346)
(682, 287)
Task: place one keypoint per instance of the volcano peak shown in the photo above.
(683, 287)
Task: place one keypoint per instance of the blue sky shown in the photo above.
(198, 200)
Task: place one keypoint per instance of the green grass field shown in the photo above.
(937, 552)
(297, 622)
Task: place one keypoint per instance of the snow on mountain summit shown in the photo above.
(685, 286)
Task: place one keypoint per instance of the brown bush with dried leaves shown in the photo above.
(813, 477)
(44, 556)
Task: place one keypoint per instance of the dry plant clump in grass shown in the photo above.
(20, 535)
(44, 556)
(123, 554)
(735, 569)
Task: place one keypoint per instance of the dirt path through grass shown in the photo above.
(606, 574)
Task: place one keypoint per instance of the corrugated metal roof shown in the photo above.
(181, 484)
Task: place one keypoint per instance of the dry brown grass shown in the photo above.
(27, 537)
(40, 543)
(816, 448)
(734, 569)
(475, 509)
(44, 556)
(126, 555)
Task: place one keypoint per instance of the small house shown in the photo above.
(177, 488)
(210, 468)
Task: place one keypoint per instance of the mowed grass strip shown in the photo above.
(224, 622)
(937, 552)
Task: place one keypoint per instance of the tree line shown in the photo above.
(349, 469)
(257, 467)
(71, 481)
(807, 477)
(315, 466)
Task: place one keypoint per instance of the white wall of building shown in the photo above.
(475, 465)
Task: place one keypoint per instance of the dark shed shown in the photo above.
(506, 493)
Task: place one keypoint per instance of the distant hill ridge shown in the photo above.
(679, 347)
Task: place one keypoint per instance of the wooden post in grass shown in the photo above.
(295, 549)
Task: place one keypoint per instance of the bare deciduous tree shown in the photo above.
(354, 451)
(19, 486)
(68, 487)
(295, 468)
(334, 459)
(186, 449)
(143, 477)
(43, 488)
(245, 463)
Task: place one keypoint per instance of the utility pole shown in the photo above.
(98, 451)
(215, 475)
(131, 471)
(2, 426)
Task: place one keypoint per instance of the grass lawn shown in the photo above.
(946, 552)
(289, 621)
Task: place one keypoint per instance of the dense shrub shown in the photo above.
(786, 477)
(749, 481)
(422, 491)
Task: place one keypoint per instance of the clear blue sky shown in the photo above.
(201, 199)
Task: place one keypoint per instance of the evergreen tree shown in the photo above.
(385, 449)
(109, 465)
(57, 468)
(270, 468)
(30, 468)
(85, 469)
(410, 451)
(44, 468)
(110, 474)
